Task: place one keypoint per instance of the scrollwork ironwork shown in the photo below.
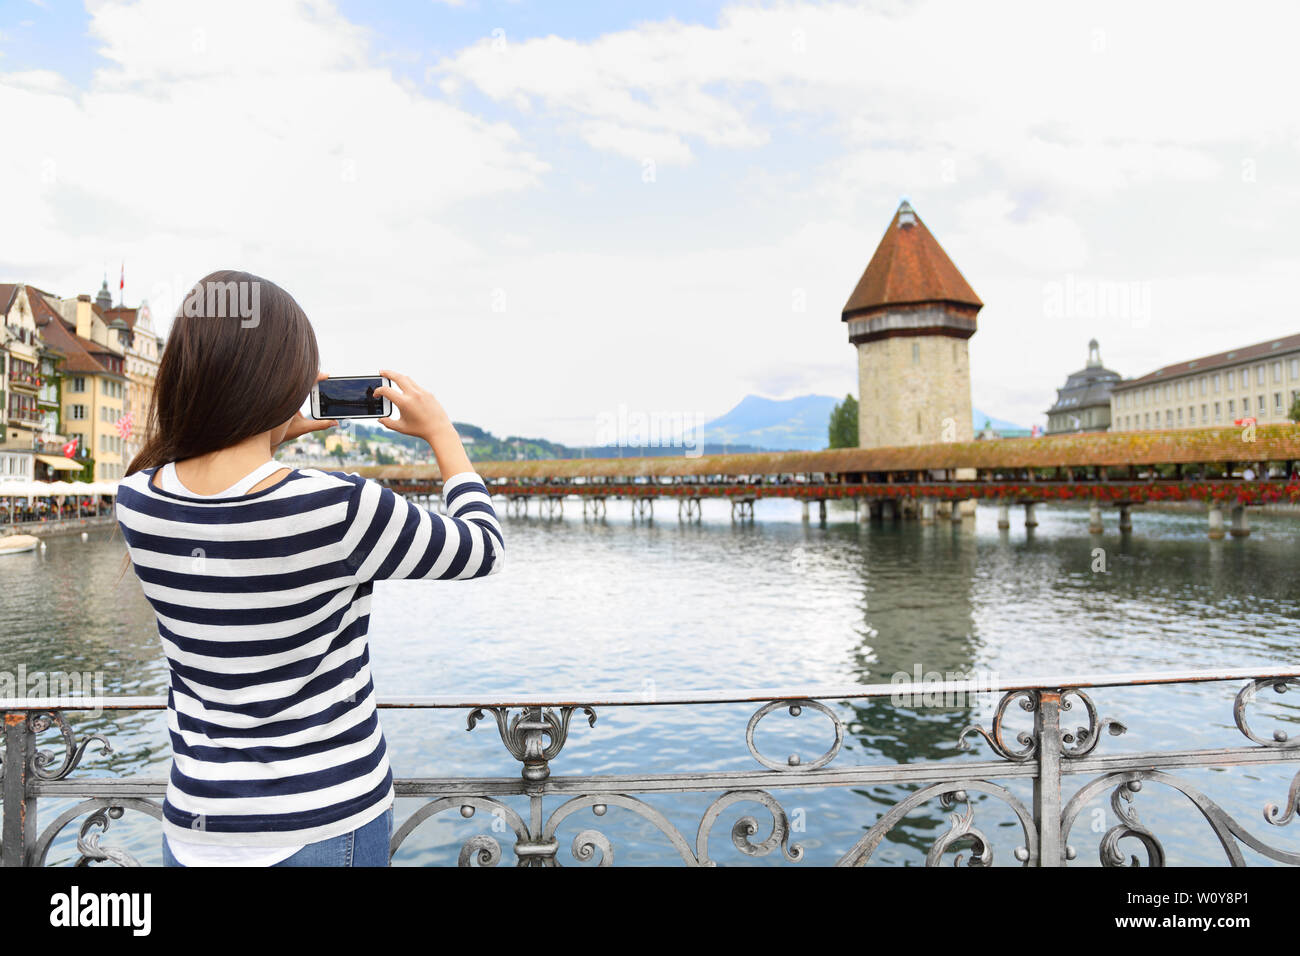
(102, 810)
(1085, 739)
(795, 707)
(1248, 693)
(950, 793)
(1231, 834)
(73, 751)
(534, 736)
(1129, 826)
(1281, 816)
(1029, 701)
(747, 826)
(962, 827)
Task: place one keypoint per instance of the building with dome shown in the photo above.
(1083, 403)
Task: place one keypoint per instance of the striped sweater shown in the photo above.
(263, 603)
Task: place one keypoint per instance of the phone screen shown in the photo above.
(350, 397)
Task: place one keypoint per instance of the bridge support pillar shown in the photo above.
(593, 506)
(955, 516)
(864, 510)
(554, 506)
(1125, 519)
(1031, 520)
(804, 507)
(1240, 523)
(688, 509)
(1004, 516)
(643, 508)
(927, 510)
(821, 511)
(1094, 518)
(1216, 521)
(743, 509)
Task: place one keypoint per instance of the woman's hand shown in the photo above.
(422, 415)
(301, 425)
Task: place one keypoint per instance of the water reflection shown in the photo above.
(601, 606)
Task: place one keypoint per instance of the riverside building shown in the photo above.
(1260, 381)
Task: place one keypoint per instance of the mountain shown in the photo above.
(793, 424)
(978, 418)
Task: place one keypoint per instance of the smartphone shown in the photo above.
(350, 396)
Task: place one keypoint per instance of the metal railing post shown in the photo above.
(19, 805)
(1047, 784)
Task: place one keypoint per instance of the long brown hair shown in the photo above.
(240, 359)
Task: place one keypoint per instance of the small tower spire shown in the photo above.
(104, 299)
(1094, 354)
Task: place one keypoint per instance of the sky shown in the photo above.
(548, 213)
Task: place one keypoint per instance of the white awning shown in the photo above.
(60, 464)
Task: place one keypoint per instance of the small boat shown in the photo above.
(18, 543)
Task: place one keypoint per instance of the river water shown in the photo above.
(659, 608)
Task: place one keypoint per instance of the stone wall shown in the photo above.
(913, 390)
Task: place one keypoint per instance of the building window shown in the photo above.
(1277, 402)
(1277, 371)
(1169, 417)
(77, 412)
(1216, 383)
(1218, 412)
(1261, 405)
(1259, 375)
(1232, 407)
(1295, 368)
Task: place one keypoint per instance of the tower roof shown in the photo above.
(909, 267)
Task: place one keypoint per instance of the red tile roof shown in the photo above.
(79, 354)
(7, 292)
(1250, 353)
(909, 267)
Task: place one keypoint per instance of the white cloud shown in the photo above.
(1109, 142)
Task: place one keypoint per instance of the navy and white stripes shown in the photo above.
(263, 603)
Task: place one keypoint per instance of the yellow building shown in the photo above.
(1259, 382)
(132, 330)
(94, 378)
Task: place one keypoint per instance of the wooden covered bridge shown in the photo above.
(1229, 469)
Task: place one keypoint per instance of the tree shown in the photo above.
(1294, 414)
(844, 424)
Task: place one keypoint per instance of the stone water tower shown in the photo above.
(911, 317)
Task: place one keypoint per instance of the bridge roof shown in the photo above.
(1185, 446)
(909, 267)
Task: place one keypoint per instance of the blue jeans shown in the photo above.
(365, 846)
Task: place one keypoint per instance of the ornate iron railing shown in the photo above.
(534, 731)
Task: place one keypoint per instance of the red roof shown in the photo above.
(909, 267)
(7, 292)
(1288, 343)
(79, 354)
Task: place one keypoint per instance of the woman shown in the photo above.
(261, 576)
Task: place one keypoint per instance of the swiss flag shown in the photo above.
(70, 449)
